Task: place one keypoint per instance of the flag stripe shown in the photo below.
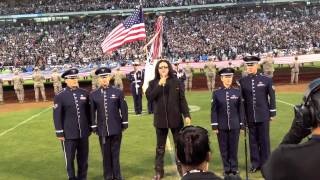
(127, 41)
(124, 33)
(139, 36)
(131, 35)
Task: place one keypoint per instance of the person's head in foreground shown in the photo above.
(193, 151)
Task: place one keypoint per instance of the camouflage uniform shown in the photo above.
(210, 71)
(118, 76)
(1, 91)
(267, 65)
(295, 71)
(18, 86)
(56, 79)
(39, 79)
(188, 82)
(243, 68)
(94, 80)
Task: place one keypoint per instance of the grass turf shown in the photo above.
(31, 151)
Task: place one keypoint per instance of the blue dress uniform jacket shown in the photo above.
(71, 113)
(226, 109)
(259, 95)
(109, 111)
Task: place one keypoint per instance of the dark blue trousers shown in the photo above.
(137, 99)
(79, 148)
(228, 144)
(259, 142)
(110, 148)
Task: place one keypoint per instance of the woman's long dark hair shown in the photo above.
(156, 71)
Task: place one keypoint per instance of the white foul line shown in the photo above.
(23, 122)
(172, 155)
(285, 103)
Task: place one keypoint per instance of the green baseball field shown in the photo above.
(30, 151)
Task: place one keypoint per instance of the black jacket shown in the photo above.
(201, 176)
(291, 161)
(109, 111)
(71, 113)
(169, 103)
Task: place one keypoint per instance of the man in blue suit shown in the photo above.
(71, 117)
(109, 118)
(260, 108)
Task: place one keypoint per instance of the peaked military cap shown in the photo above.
(226, 71)
(250, 60)
(70, 73)
(103, 71)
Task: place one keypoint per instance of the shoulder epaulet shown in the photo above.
(62, 90)
(94, 90)
(218, 89)
(83, 89)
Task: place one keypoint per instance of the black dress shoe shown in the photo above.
(254, 170)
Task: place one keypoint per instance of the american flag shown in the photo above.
(132, 29)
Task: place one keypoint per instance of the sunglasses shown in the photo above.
(163, 67)
(191, 127)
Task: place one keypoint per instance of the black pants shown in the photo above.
(150, 107)
(79, 148)
(228, 144)
(162, 134)
(137, 99)
(259, 141)
(110, 148)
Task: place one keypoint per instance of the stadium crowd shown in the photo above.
(222, 33)
(52, 6)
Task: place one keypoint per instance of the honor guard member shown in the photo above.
(227, 119)
(136, 79)
(118, 76)
(18, 86)
(210, 71)
(38, 79)
(1, 91)
(189, 74)
(179, 73)
(109, 117)
(267, 65)
(94, 78)
(295, 66)
(260, 108)
(71, 114)
(56, 79)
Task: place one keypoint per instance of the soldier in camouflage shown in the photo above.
(18, 86)
(56, 80)
(39, 79)
(210, 71)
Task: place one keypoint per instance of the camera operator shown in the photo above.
(299, 161)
